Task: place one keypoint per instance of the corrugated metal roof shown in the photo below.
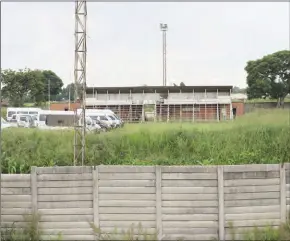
(158, 89)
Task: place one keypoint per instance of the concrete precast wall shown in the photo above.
(189, 202)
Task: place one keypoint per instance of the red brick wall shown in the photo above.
(62, 106)
(203, 112)
(240, 106)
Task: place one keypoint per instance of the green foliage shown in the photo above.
(261, 137)
(30, 86)
(236, 89)
(269, 76)
(268, 233)
(30, 232)
(133, 234)
(68, 92)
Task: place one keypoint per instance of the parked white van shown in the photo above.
(24, 111)
(51, 118)
(106, 116)
(55, 118)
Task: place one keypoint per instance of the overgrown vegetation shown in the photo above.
(261, 137)
(31, 232)
(132, 233)
(268, 233)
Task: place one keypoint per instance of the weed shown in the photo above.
(131, 234)
(268, 233)
(30, 232)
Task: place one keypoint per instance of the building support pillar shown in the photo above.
(217, 105)
(193, 105)
(231, 111)
(180, 113)
(217, 112)
(180, 110)
(231, 106)
(155, 110)
(160, 112)
(143, 114)
(168, 113)
(193, 112)
(205, 107)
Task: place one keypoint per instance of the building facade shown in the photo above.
(165, 103)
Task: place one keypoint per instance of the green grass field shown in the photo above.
(260, 137)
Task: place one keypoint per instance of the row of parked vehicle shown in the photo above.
(96, 119)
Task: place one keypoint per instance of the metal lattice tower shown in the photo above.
(80, 80)
(163, 28)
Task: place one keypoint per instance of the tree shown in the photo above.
(29, 85)
(69, 92)
(269, 77)
(238, 90)
(52, 84)
(16, 85)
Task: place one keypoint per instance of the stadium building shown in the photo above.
(164, 103)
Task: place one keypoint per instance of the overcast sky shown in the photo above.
(208, 43)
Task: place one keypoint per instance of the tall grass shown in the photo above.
(31, 233)
(262, 137)
(268, 233)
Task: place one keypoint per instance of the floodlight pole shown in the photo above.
(164, 28)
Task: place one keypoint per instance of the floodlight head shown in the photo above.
(163, 26)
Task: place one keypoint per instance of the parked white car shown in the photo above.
(26, 121)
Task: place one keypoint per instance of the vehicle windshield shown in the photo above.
(94, 117)
(10, 113)
(23, 118)
(111, 117)
(33, 112)
(102, 117)
(117, 117)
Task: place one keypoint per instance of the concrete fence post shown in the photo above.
(158, 184)
(96, 197)
(283, 207)
(221, 217)
(33, 180)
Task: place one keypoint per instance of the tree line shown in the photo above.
(267, 78)
(34, 86)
